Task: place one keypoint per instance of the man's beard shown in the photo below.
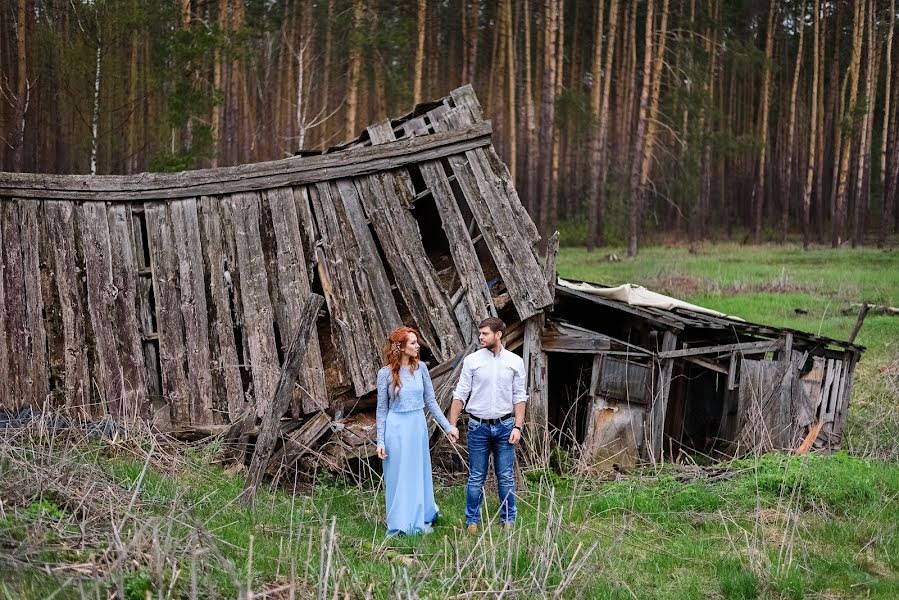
(491, 347)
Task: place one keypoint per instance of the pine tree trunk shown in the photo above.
(552, 200)
(23, 87)
(886, 210)
(596, 97)
(787, 184)
(758, 190)
(354, 80)
(640, 135)
(531, 154)
(839, 220)
(863, 173)
(547, 107)
(643, 150)
(511, 143)
(813, 130)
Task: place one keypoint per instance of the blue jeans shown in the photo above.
(485, 440)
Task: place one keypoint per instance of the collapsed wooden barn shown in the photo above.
(172, 297)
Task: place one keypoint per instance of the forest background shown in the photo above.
(750, 119)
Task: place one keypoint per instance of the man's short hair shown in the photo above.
(494, 323)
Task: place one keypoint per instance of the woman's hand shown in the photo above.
(453, 435)
(382, 452)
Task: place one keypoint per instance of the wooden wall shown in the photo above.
(177, 308)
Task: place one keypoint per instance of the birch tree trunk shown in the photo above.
(420, 50)
(640, 135)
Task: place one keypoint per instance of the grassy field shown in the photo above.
(83, 519)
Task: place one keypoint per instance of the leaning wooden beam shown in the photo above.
(293, 363)
(245, 178)
(488, 198)
(299, 442)
(745, 348)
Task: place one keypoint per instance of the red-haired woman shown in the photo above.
(404, 388)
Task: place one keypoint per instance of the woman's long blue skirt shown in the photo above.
(407, 473)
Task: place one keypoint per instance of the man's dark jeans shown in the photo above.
(485, 440)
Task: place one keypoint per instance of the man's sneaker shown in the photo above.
(508, 525)
(473, 528)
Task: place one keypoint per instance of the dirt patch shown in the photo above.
(679, 285)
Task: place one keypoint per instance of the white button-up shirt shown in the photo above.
(490, 385)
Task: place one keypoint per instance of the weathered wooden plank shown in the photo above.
(169, 316)
(744, 348)
(7, 397)
(53, 325)
(654, 444)
(415, 276)
(189, 254)
(245, 178)
(843, 408)
(228, 397)
(280, 402)
(465, 258)
(293, 282)
(299, 442)
(14, 302)
(488, 201)
(362, 251)
(491, 163)
(257, 307)
(576, 345)
(382, 133)
(535, 365)
(342, 281)
(101, 292)
(35, 352)
(76, 378)
(124, 278)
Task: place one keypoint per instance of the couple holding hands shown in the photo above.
(491, 388)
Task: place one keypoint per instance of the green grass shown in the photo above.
(775, 526)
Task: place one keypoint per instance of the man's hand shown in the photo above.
(452, 435)
(515, 436)
(382, 452)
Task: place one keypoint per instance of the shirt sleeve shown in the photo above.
(381, 411)
(519, 383)
(431, 399)
(463, 388)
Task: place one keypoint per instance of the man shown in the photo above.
(492, 391)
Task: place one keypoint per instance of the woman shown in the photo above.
(404, 387)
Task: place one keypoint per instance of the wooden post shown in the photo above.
(535, 359)
(858, 322)
(293, 363)
(656, 428)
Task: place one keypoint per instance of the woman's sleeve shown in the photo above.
(431, 400)
(381, 412)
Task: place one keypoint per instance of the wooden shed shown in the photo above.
(642, 380)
